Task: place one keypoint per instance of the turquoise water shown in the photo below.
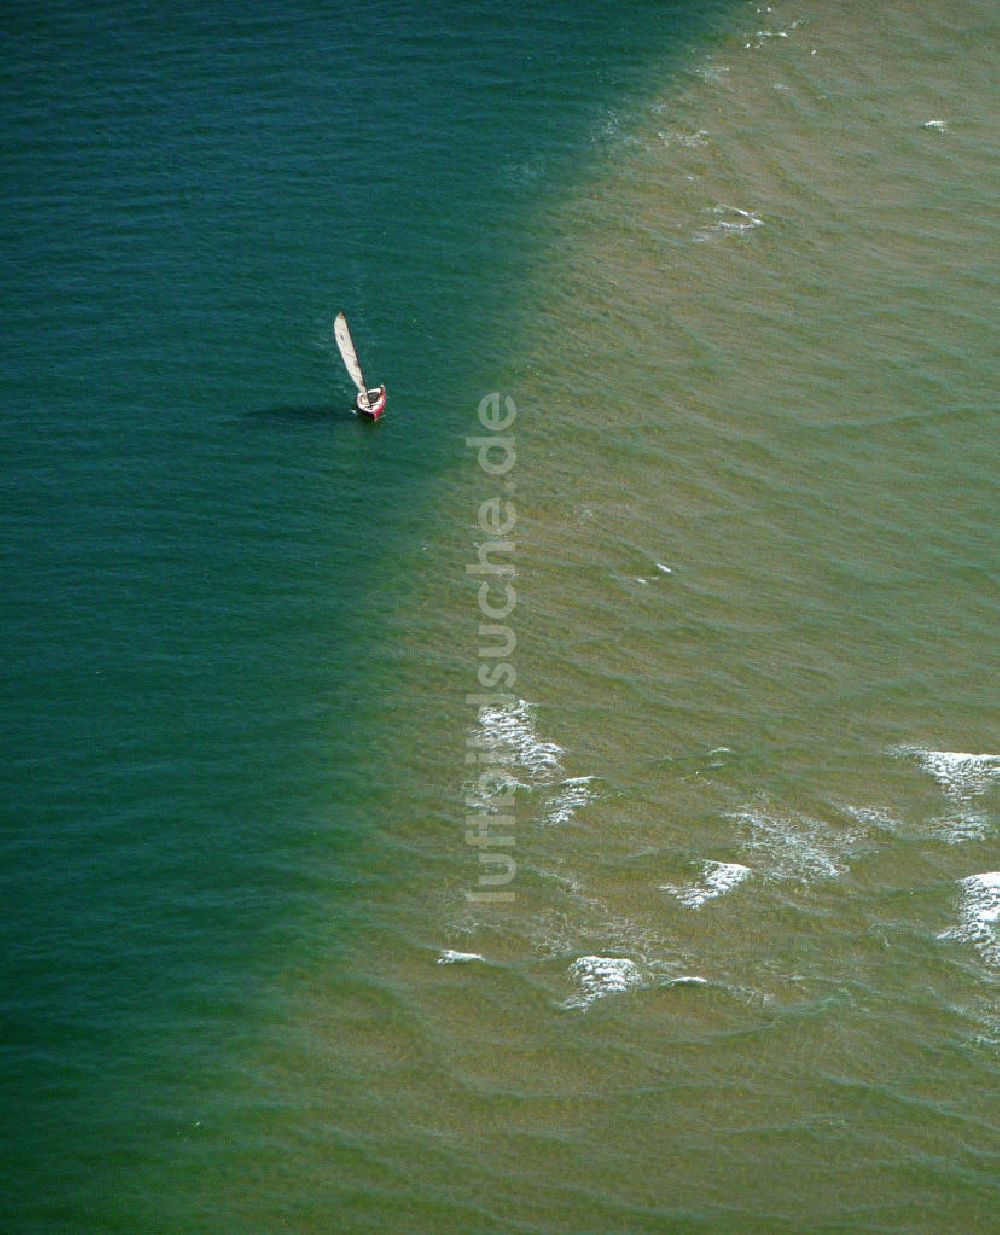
(739, 292)
(195, 525)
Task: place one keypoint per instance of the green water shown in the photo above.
(741, 297)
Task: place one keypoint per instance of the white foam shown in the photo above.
(732, 220)
(519, 759)
(979, 916)
(573, 793)
(961, 776)
(510, 735)
(870, 816)
(666, 569)
(713, 73)
(597, 977)
(763, 35)
(794, 846)
(940, 125)
(491, 791)
(717, 878)
(600, 976)
(963, 828)
(448, 957)
(670, 137)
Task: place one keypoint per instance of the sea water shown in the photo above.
(732, 265)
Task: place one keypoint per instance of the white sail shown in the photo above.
(342, 334)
